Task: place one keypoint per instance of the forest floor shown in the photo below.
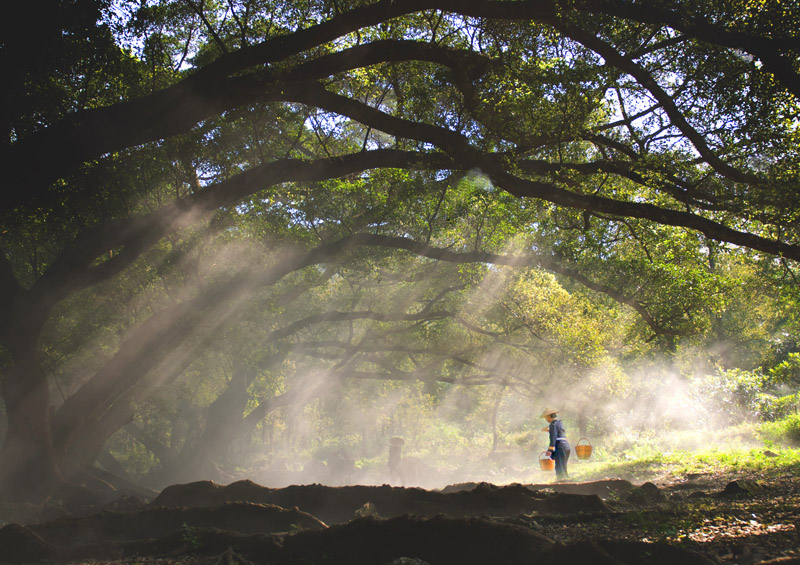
(717, 517)
(696, 513)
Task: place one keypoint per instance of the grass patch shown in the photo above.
(782, 432)
(766, 448)
(671, 465)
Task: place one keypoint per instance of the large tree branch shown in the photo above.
(151, 443)
(74, 269)
(545, 262)
(779, 55)
(151, 342)
(163, 333)
(425, 375)
(617, 59)
(10, 295)
(32, 163)
(679, 189)
(463, 153)
(323, 317)
(53, 152)
(374, 346)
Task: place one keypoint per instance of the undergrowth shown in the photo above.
(765, 448)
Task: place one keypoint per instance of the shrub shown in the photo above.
(776, 407)
(786, 430)
(787, 372)
(734, 395)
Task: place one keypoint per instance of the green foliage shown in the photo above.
(786, 372)
(733, 395)
(135, 458)
(737, 394)
(773, 407)
(190, 536)
(618, 238)
(784, 431)
(647, 463)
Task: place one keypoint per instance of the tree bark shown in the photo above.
(29, 469)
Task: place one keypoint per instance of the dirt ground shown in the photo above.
(742, 519)
(695, 519)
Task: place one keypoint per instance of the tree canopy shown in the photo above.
(403, 190)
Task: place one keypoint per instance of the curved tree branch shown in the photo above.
(617, 59)
(778, 55)
(53, 152)
(74, 269)
(171, 328)
(463, 153)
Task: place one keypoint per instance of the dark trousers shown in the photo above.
(561, 456)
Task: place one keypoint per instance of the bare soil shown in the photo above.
(697, 519)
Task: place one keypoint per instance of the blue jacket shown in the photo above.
(557, 433)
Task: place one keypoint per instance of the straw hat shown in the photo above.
(549, 411)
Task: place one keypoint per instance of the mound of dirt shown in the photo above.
(336, 505)
(741, 488)
(208, 493)
(437, 540)
(606, 488)
(646, 494)
(480, 523)
(155, 522)
(20, 545)
(573, 504)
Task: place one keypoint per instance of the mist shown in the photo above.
(459, 421)
(246, 356)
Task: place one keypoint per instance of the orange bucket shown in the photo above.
(546, 463)
(583, 451)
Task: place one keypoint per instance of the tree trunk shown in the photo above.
(495, 410)
(583, 424)
(224, 423)
(29, 469)
(86, 445)
(88, 437)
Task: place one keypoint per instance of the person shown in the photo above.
(559, 448)
(396, 474)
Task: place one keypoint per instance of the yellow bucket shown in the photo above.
(583, 451)
(545, 462)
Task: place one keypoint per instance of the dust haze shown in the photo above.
(332, 396)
